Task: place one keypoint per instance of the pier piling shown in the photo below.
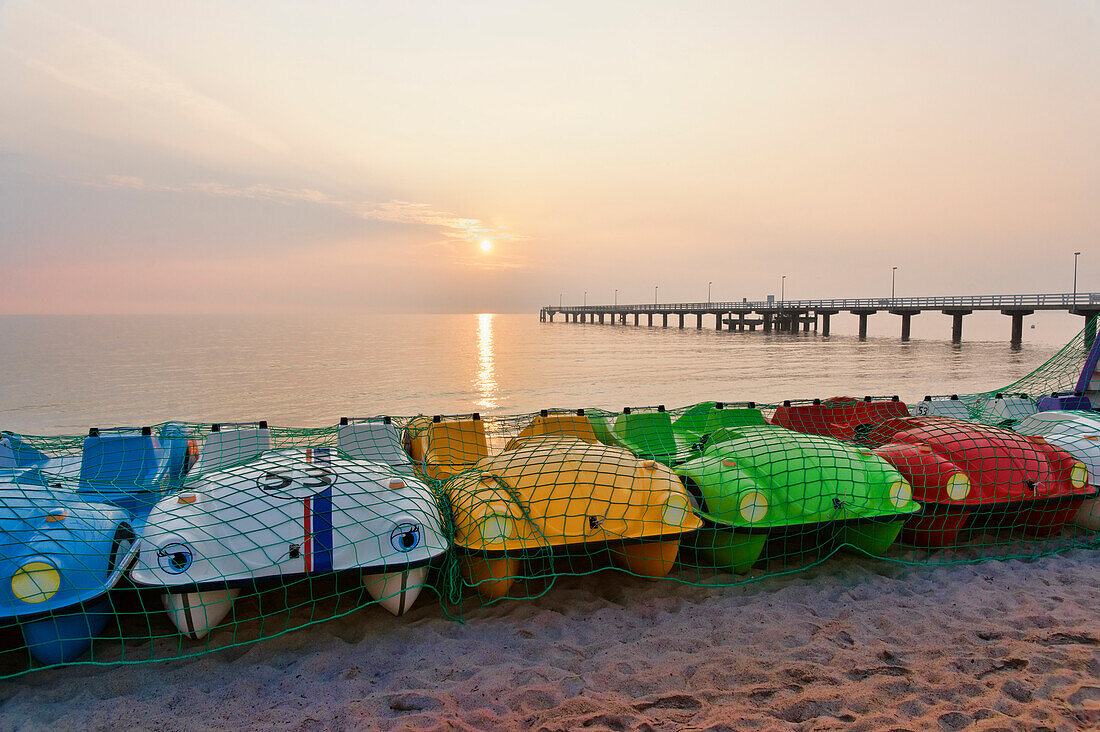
(957, 323)
(785, 316)
(863, 314)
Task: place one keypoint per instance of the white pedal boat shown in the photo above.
(283, 515)
(1002, 409)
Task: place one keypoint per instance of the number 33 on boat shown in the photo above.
(285, 515)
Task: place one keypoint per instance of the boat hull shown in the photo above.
(65, 637)
(195, 614)
(396, 591)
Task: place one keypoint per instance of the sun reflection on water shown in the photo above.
(486, 382)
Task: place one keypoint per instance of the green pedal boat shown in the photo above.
(654, 434)
(755, 483)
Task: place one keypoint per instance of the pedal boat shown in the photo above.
(1002, 410)
(1078, 433)
(444, 446)
(281, 516)
(759, 482)
(842, 418)
(942, 406)
(67, 531)
(557, 423)
(562, 493)
(375, 439)
(970, 475)
(654, 434)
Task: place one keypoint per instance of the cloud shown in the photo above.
(455, 233)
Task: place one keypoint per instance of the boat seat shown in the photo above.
(954, 407)
(123, 469)
(838, 417)
(695, 424)
(14, 453)
(557, 424)
(1003, 409)
(454, 445)
(373, 440)
(694, 419)
(415, 437)
(175, 442)
(228, 447)
(601, 428)
(650, 435)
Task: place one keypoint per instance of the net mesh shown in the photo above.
(131, 545)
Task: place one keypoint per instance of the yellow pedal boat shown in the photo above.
(444, 446)
(556, 492)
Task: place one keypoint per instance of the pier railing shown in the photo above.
(1041, 301)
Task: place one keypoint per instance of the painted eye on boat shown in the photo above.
(405, 537)
(174, 558)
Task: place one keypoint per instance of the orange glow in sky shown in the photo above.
(229, 157)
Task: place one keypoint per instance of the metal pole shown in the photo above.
(1075, 255)
(616, 298)
(782, 290)
(893, 272)
(655, 294)
(708, 292)
(586, 298)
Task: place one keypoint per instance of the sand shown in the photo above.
(850, 644)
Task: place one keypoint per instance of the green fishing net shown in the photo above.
(144, 544)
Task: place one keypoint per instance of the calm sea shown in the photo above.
(62, 374)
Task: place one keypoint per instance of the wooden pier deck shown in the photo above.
(789, 315)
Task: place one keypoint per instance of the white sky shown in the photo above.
(277, 156)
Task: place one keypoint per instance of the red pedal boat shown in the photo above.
(969, 475)
(839, 417)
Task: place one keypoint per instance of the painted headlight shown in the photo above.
(36, 582)
(676, 510)
(497, 528)
(1079, 475)
(901, 493)
(958, 486)
(753, 506)
(405, 537)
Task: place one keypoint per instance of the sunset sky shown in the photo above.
(318, 157)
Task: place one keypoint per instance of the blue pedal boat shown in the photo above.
(68, 528)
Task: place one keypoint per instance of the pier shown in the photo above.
(793, 315)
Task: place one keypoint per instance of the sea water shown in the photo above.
(62, 374)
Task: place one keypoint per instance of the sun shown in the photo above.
(486, 245)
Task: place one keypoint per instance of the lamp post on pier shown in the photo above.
(586, 298)
(616, 297)
(1075, 256)
(708, 292)
(782, 290)
(893, 272)
(655, 294)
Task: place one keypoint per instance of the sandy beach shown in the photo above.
(849, 644)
